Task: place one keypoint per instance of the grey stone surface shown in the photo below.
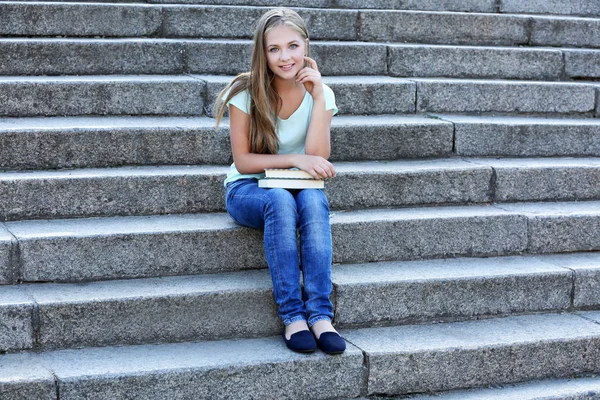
(16, 320)
(586, 268)
(353, 94)
(479, 96)
(74, 95)
(205, 307)
(22, 377)
(115, 191)
(8, 271)
(407, 234)
(555, 389)
(545, 179)
(475, 62)
(389, 137)
(525, 137)
(565, 31)
(397, 183)
(90, 56)
(403, 292)
(451, 356)
(238, 22)
(131, 247)
(582, 63)
(561, 227)
(443, 5)
(64, 19)
(88, 142)
(372, 95)
(571, 7)
(450, 28)
(333, 58)
(243, 369)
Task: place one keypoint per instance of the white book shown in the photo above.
(287, 183)
(287, 173)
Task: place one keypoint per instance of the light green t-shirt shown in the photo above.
(291, 131)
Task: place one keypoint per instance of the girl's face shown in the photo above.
(285, 50)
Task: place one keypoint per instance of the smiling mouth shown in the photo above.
(286, 67)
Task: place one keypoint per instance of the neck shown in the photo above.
(286, 85)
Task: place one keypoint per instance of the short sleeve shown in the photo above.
(329, 99)
(241, 101)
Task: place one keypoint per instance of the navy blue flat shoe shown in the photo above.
(301, 342)
(331, 343)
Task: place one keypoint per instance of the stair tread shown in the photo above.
(555, 389)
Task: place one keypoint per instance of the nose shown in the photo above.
(283, 55)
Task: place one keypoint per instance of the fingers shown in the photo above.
(313, 63)
(307, 74)
(324, 170)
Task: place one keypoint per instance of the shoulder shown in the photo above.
(329, 99)
(241, 101)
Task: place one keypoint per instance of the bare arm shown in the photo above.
(318, 138)
(252, 163)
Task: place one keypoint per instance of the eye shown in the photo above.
(293, 46)
(272, 50)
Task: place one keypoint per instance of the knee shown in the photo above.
(280, 201)
(313, 201)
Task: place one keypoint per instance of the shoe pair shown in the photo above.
(304, 342)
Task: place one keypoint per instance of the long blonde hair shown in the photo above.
(264, 100)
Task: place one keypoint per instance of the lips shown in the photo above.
(287, 67)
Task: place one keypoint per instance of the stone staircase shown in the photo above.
(466, 211)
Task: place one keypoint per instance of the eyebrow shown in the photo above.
(293, 41)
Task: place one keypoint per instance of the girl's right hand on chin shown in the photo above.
(317, 166)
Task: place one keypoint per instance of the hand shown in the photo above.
(317, 166)
(310, 77)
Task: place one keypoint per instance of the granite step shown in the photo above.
(371, 94)
(50, 56)
(240, 304)
(91, 142)
(189, 189)
(111, 94)
(242, 369)
(73, 250)
(482, 136)
(66, 142)
(555, 389)
(430, 358)
(150, 190)
(195, 95)
(393, 360)
(218, 21)
(444, 5)
(589, 8)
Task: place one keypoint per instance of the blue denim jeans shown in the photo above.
(280, 212)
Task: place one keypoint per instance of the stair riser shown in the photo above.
(481, 367)
(429, 238)
(526, 140)
(7, 274)
(50, 97)
(198, 191)
(161, 319)
(572, 7)
(82, 147)
(114, 146)
(111, 196)
(113, 20)
(406, 302)
(144, 255)
(490, 97)
(476, 63)
(24, 99)
(146, 56)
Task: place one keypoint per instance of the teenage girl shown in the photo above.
(280, 115)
